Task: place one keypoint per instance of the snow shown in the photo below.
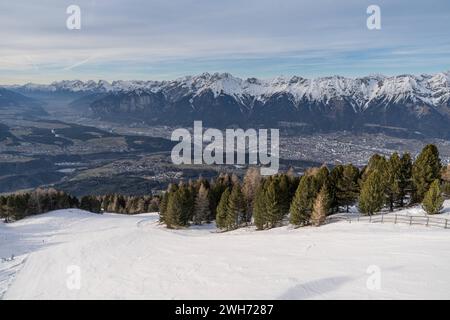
(433, 90)
(133, 257)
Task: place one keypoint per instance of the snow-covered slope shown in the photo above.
(133, 257)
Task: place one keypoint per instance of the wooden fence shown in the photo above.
(428, 221)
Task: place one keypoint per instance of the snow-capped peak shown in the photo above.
(430, 89)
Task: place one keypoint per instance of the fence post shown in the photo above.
(428, 220)
(382, 217)
(410, 220)
(395, 220)
(370, 217)
(446, 222)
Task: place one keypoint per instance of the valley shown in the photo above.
(55, 135)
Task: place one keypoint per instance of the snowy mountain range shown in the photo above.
(430, 89)
(406, 104)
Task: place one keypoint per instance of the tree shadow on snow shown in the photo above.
(314, 288)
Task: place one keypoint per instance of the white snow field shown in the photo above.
(133, 257)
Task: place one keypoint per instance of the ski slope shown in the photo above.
(133, 257)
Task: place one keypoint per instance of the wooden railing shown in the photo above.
(428, 221)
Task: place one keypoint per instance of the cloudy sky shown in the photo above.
(161, 39)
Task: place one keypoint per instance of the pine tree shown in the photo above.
(187, 203)
(215, 193)
(347, 188)
(222, 210)
(85, 203)
(372, 198)
(165, 202)
(3, 213)
(426, 169)
(336, 188)
(404, 184)
(284, 195)
(433, 200)
(302, 203)
(174, 213)
(259, 208)
(320, 207)
(393, 180)
(201, 210)
(235, 207)
(376, 162)
(272, 204)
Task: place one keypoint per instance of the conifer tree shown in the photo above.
(405, 182)
(164, 210)
(222, 210)
(201, 210)
(187, 203)
(90, 203)
(235, 208)
(320, 207)
(259, 208)
(3, 213)
(273, 206)
(302, 203)
(426, 169)
(433, 200)
(321, 177)
(165, 202)
(347, 189)
(393, 180)
(372, 196)
(284, 196)
(335, 187)
(174, 213)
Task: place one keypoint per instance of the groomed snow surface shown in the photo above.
(72, 254)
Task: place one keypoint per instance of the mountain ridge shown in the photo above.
(428, 88)
(404, 104)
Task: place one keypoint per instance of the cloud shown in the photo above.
(161, 39)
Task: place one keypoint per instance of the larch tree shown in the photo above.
(251, 182)
(201, 210)
(320, 207)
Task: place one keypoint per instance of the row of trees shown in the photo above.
(19, 205)
(391, 181)
(268, 201)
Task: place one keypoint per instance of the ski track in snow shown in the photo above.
(134, 257)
